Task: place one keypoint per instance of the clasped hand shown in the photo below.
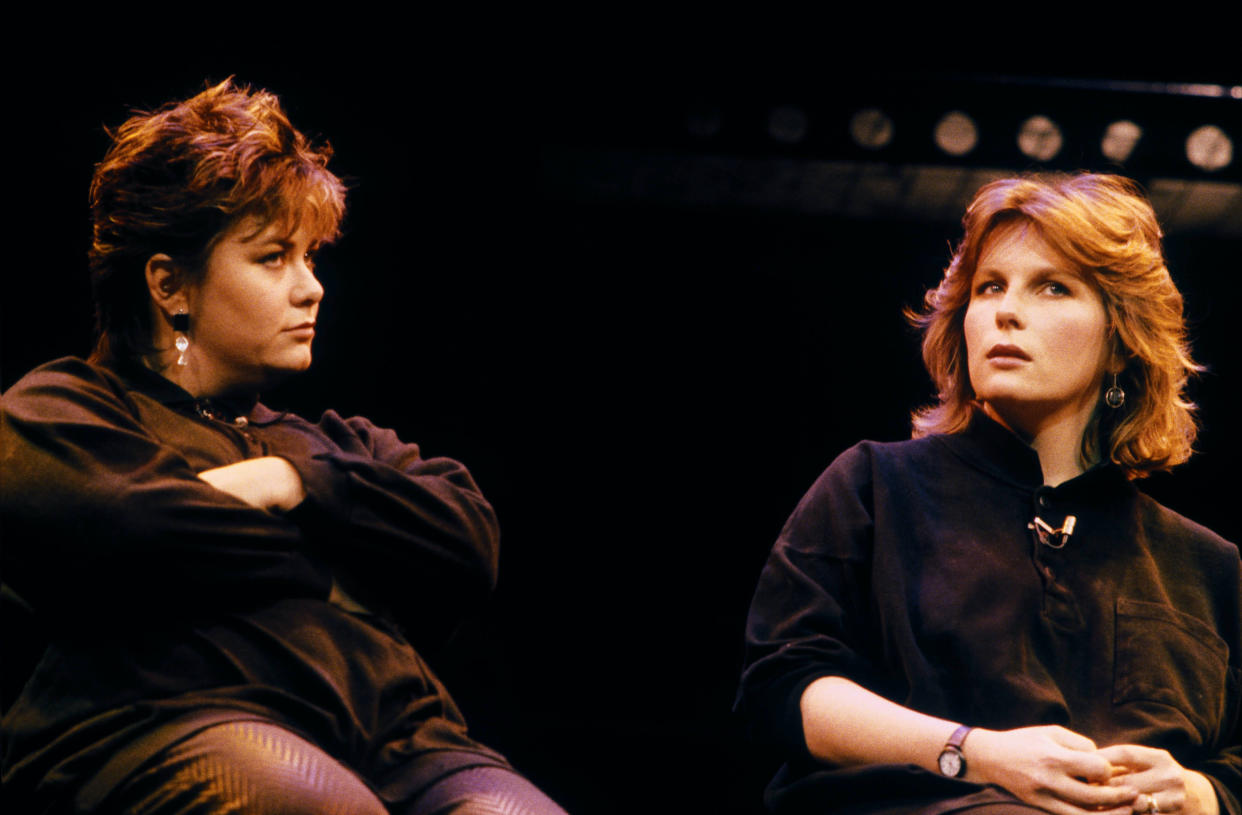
(1065, 773)
(269, 482)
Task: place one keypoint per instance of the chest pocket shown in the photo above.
(1171, 659)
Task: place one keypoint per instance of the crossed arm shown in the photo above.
(99, 505)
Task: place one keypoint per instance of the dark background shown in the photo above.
(645, 343)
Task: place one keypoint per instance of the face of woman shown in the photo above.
(252, 317)
(1036, 333)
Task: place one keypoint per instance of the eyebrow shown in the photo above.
(1046, 269)
(283, 243)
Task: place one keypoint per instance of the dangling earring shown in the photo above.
(1114, 397)
(181, 324)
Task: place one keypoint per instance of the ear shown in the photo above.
(1118, 360)
(166, 283)
(1118, 354)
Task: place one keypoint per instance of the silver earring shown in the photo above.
(181, 324)
(1114, 397)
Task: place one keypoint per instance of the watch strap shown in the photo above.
(959, 736)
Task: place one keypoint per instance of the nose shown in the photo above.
(1009, 311)
(307, 290)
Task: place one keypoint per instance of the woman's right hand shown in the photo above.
(1049, 767)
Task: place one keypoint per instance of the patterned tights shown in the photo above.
(256, 768)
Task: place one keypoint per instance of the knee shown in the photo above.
(498, 803)
(486, 791)
(251, 767)
(482, 805)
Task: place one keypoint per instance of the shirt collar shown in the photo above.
(142, 379)
(990, 446)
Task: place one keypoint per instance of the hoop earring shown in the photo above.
(181, 324)
(1114, 397)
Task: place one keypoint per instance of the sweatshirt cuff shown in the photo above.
(327, 490)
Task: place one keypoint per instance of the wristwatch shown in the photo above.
(952, 762)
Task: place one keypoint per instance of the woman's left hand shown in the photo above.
(1164, 785)
(269, 482)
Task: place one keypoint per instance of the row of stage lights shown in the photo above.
(956, 133)
(1208, 147)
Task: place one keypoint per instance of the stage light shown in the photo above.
(1120, 139)
(787, 124)
(871, 128)
(1040, 138)
(1209, 148)
(956, 133)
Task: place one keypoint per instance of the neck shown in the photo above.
(193, 377)
(1056, 440)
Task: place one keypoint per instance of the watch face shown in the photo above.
(951, 763)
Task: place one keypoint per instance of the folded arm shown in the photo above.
(95, 508)
(412, 535)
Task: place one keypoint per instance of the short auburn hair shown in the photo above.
(176, 179)
(1104, 226)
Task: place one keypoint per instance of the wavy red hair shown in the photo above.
(1105, 227)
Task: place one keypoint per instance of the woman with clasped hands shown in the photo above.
(991, 616)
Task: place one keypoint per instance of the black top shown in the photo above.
(165, 600)
(910, 569)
